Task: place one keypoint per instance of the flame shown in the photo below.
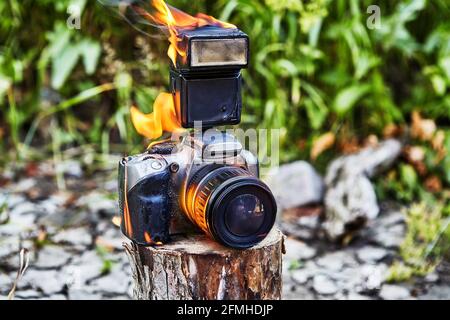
(176, 20)
(163, 118)
(116, 220)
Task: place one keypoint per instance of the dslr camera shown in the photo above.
(206, 180)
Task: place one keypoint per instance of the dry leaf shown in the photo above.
(322, 143)
(24, 259)
(392, 130)
(415, 154)
(433, 184)
(422, 129)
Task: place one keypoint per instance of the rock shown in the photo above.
(77, 236)
(432, 277)
(324, 285)
(356, 296)
(8, 247)
(81, 294)
(84, 268)
(112, 239)
(372, 277)
(297, 250)
(55, 297)
(390, 238)
(295, 184)
(437, 292)
(116, 282)
(100, 203)
(48, 281)
(300, 276)
(335, 261)
(70, 168)
(5, 283)
(350, 200)
(296, 293)
(394, 292)
(52, 257)
(348, 205)
(371, 254)
(27, 294)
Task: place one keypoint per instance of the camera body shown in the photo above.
(172, 183)
(205, 181)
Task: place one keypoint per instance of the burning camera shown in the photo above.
(206, 177)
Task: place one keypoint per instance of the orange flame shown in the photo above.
(176, 20)
(163, 118)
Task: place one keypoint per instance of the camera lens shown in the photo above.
(244, 215)
(234, 207)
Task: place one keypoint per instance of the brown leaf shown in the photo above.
(433, 184)
(322, 143)
(392, 130)
(422, 129)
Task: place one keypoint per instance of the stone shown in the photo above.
(350, 199)
(70, 168)
(297, 250)
(348, 205)
(394, 292)
(27, 294)
(48, 281)
(437, 292)
(296, 293)
(324, 285)
(335, 261)
(116, 282)
(100, 203)
(81, 294)
(8, 247)
(112, 238)
(52, 257)
(75, 236)
(54, 297)
(83, 268)
(5, 283)
(295, 184)
(356, 296)
(370, 254)
(300, 276)
(391, 239)
(432, 277)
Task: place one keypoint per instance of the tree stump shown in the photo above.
(195, 267)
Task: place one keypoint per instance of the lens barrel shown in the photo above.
(234, 207)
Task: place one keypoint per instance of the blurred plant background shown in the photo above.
(317, 72)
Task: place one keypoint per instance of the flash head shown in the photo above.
(206, 82)
(213, 47)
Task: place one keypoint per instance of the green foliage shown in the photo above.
(425, 243)
(315, 67)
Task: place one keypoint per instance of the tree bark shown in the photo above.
(195, 267)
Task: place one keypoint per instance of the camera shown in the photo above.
(205, 180)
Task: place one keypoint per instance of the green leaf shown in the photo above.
(90, 51)
(408, 176)
(316, 114)
(348, 97)
(63, 64)
(444, 63)
(5, 83)
(439, 84)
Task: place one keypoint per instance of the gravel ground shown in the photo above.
(75, 249)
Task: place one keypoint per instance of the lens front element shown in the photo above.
(244, 215)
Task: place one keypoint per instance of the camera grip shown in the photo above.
(149, 210)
